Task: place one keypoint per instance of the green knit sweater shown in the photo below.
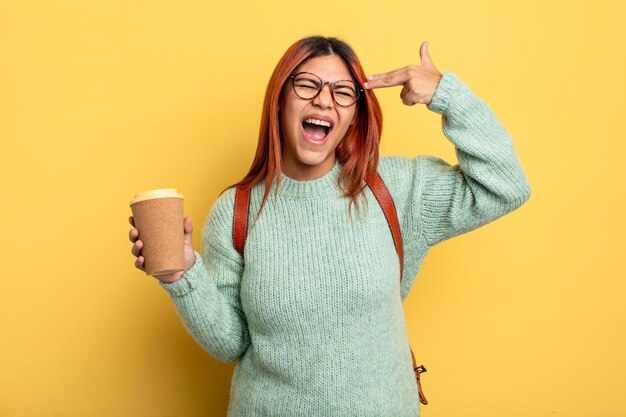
(314, 315)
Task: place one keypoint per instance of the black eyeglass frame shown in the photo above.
(323, 83)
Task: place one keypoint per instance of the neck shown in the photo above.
(303, 172)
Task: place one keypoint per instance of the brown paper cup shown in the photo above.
(158, 216)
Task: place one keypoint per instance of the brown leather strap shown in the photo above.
(240, 218)
(383, 196)
(418, 370)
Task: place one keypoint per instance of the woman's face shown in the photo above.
(308, 149)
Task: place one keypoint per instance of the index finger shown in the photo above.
(387, 79)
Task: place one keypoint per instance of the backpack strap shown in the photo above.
(381, 192)
(383, 196)
(240, 218)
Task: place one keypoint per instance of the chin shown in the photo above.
(312, 158)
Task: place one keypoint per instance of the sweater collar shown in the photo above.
(324, 185)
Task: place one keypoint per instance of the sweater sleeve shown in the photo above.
(207, 295)
(488, 180)
(436, 200)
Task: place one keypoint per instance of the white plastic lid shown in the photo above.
(158, 193)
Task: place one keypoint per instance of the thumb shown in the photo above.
(424, 55)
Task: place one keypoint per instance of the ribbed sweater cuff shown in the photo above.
(443, 92)
(188, 281)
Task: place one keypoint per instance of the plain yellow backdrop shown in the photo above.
(524, 317)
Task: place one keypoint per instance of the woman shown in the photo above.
(314, 315)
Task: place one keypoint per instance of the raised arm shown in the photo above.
(207, 295)
(488, 180)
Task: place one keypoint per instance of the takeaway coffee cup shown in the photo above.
(158, 216)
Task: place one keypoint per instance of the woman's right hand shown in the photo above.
(190, 257)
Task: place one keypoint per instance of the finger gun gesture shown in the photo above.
(418, 81)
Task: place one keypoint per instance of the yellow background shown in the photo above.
(102, 99)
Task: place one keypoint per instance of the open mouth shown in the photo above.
(315, 129)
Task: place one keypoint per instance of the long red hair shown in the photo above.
(357, 152)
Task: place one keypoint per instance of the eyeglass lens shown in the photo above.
(307, 86)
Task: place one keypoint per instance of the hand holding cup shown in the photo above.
(133, 236)
(165, 250)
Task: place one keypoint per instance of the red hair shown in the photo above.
(357, 151)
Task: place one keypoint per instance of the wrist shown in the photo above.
(171, 278)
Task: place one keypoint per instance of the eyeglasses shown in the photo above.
(307, 86)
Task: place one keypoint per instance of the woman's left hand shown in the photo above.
(419, 81)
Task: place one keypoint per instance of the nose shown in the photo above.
(325, 98)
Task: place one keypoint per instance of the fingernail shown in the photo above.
(369, 77)
(365, 84)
